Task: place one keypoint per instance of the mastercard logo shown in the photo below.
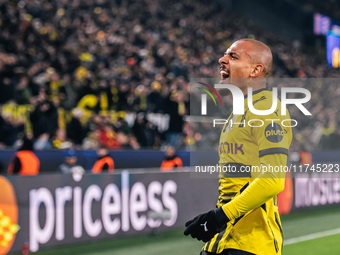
(8, 216)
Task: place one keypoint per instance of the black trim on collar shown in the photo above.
(257, 91)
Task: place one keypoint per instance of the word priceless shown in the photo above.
(82, 211)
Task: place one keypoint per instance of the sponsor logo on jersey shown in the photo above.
(231, 148)
(274, 133)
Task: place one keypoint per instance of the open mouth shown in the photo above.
(224, 74)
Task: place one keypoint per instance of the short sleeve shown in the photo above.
(272, 133)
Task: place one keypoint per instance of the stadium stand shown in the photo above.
(106, 72)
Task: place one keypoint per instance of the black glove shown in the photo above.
(206, 225)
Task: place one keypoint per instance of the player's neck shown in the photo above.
(255, 84)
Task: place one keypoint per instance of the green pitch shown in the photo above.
(174, 242)
(320, 246)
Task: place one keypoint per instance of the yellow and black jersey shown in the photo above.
(249, 144)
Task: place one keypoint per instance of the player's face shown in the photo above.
(236, 62)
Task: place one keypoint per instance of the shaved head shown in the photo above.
(260, 53)
(246, 58)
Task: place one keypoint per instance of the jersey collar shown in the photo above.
(256, 92)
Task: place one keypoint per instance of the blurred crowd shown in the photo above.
(327, 7)
(83, 74)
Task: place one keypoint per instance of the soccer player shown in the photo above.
(246, 220)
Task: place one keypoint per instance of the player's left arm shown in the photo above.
(264, 187)
(273, 140)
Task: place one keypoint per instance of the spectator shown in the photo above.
(105, 102)
(23, 94)
(144, 130)
(44, 120)
(171, 161)
(7, 90)
(9, 129)
(74, 129)
(108, 137)
(25, 162)
(177, 109)
(70, 163)
(55, 88)
(122, 126)
(104, 161)
(60, 140)
(155, 99)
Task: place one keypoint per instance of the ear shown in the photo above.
(257, 71)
